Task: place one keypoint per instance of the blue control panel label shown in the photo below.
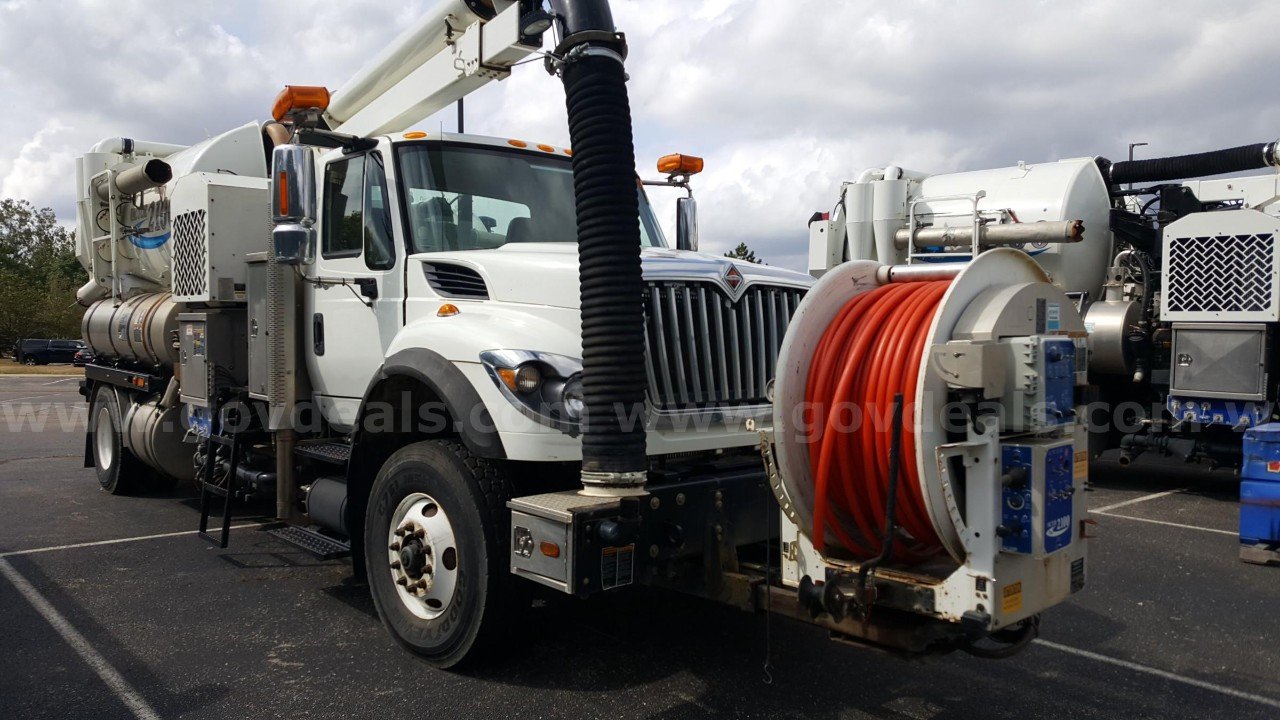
(1050, 478)
(1059, 486)
(1059, 381)
(1015, 506)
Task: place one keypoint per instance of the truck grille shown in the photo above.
(706, 350)
(1221, 274)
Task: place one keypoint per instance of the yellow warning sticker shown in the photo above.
(1081, 471)
(1011, 598)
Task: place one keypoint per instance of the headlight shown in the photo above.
(544, 386)
(528, 378)
(575, 403)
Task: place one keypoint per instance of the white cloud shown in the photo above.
(784, 99)
(39, 166)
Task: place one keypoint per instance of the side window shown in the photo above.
(343, 211)
(357, 217)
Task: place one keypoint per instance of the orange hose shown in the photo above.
(870, 352)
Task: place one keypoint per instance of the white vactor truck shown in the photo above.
(476, 364)
(1178, 282)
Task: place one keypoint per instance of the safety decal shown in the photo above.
(1011, 598)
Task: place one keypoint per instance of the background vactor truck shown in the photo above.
(1178, 282)
(477, 365)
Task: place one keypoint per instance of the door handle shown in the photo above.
(317, 333)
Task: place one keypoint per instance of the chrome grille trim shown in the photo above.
(706, 351)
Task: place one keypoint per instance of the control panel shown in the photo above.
(1058, 376)
(1036, 508)
(1041, 385)
(1237, 414)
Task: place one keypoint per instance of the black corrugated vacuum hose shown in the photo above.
(604, 178)
(1215, 162)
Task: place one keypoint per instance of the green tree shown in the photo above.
(742, 252)
(38, 275)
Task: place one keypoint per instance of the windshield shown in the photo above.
(465, 197)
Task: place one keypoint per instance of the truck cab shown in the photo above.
(463, 247)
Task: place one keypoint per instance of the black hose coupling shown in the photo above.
(586, 29)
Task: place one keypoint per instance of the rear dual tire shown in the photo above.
(119, 471)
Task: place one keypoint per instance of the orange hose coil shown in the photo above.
(870, 352)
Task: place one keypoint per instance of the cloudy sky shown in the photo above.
(784, 98)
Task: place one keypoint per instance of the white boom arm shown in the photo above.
(450, 53)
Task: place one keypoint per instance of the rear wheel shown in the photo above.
(119, 471)
(30, 361)
(436, 546)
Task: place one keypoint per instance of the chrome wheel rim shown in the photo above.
(104, 436)
(422, 555)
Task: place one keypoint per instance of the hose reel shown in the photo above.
(943, 338)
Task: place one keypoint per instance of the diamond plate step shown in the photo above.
(330, 451)
(313, 541)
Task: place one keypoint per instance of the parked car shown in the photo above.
(43, 352)
(82, 357)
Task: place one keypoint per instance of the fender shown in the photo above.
(411, 369)
(469, 417)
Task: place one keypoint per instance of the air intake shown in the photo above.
(1221, 267)
(455, 281)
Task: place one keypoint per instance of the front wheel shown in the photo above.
(30, 361)
(436, 544)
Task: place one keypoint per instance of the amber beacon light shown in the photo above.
(295, 98)
(677, 164)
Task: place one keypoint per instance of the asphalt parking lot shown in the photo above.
(113, 608)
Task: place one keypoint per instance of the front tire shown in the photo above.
(119, 470)
(436, 545)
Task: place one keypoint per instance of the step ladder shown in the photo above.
(235, 448)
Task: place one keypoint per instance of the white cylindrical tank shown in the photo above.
(144, 255)
(1063, 190)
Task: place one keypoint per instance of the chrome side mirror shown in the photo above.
(293, 204)
(686, 224)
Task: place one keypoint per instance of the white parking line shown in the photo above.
(29, 397)
(1232, 533)
(1135, 501)
(1147, 670)
(55, 382)
(96, 543)
(112, 677)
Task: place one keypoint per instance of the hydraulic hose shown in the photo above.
(870, 353)
(1214, 162)
(612, 287)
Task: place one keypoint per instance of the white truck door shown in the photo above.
(357, 294)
